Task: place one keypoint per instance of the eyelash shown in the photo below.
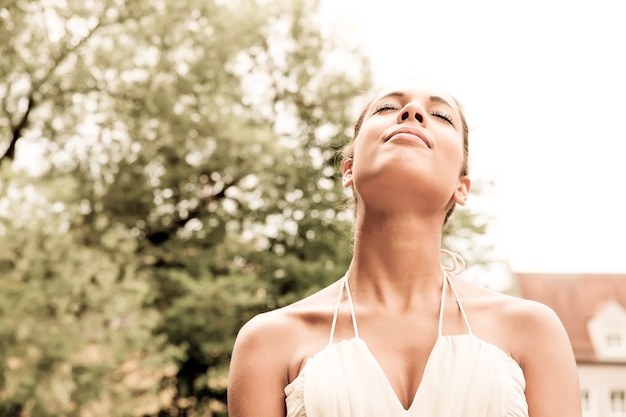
(387, 106)
(436, 113)
(444, 116)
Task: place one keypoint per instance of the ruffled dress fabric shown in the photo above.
(464, 376)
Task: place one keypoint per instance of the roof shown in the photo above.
(575, 298)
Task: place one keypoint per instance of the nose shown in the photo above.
(411, 111)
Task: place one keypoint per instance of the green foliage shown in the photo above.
(188, 182)
(75, 331)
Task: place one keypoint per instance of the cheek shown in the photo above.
(361, 145)
(454, 155)
(456, 148)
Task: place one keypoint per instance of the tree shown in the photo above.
(188, 182)
(172, 134)
(76, 334)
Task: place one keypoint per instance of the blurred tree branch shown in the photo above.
(64, 52)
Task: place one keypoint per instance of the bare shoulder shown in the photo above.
(268, 352)
(266, 329)
(257, 373)
(536, 339)
(528, 317)
(519, 325)
(284, 327)
(281, 340)
(508, 307)
(530, 327)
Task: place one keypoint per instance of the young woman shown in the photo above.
(400, 335)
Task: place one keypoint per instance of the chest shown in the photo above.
(462, 374)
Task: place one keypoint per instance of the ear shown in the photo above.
(462, 190)
(347, 173)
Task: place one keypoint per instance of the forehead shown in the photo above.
(415, 90)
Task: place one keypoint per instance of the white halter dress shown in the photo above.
(465, 376)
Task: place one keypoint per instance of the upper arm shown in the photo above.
(258, 370)
(546, 357)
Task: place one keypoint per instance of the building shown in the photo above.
(592, 308)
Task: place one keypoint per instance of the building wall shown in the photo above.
(603, 389)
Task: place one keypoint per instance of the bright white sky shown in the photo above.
(543, 83)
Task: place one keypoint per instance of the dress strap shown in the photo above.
(458, 301)
(443, 301)
(458, 265)
(346, 285)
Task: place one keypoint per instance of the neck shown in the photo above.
(396, 258)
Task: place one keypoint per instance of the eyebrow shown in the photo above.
(432, 99)
(437, 99)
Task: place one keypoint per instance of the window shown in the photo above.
(618, 402)
(614, 339)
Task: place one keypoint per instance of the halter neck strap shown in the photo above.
(458, 265)
(344, 283)
(446, 282)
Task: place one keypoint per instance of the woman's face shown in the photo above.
(410, 147)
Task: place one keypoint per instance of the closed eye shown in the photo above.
(442, 115)
(386, 106)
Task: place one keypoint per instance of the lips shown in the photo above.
(410, 134)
